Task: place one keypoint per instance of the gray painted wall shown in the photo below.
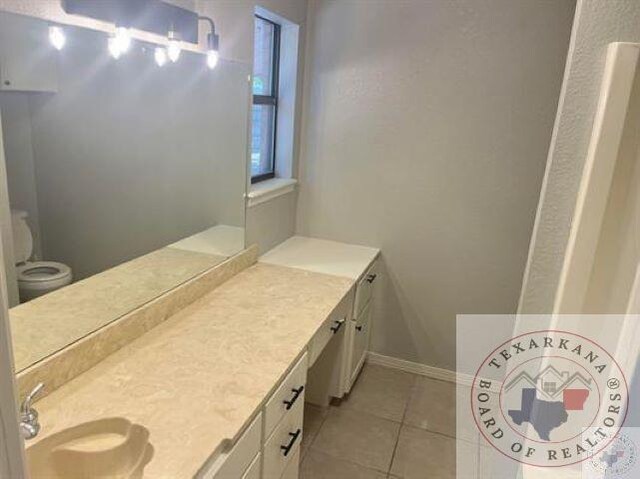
(16, 126)
(272, 222)
(425, 132)
(597, 23)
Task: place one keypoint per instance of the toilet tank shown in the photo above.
(22, 239)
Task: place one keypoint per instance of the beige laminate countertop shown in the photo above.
(74, 311)
(198, 378)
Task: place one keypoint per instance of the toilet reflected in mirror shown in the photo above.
(35, 278)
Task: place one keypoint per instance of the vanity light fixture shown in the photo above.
(160, 56)
(212, 44)
(173, 47)
(123, 38)
(57, 37)
(114, 47)
(212, 59)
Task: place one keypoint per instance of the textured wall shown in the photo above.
(597, 23)
(16, 129)
(272, 222)
(426, 128)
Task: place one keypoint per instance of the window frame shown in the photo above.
(271, 99)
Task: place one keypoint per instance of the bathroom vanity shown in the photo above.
(174, 352)
(220, 386)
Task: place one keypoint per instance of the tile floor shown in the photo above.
(392, 425)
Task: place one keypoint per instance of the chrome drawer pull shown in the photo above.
(371, 278)
(296, 394)
(294, 438)
(338, 324)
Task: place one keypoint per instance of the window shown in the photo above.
(265, 99)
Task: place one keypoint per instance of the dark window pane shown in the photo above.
(263, 57)
(262, 117)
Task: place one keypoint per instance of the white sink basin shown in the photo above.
(108, 448)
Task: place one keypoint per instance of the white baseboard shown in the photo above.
(419, 368)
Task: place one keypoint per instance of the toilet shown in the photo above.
(35, 278)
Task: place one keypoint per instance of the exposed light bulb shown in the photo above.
(57, 37)
(213, 40)
(114, 47)
(173, 47)
(160, 55)
(123, 37)
(173, 50)
(212, 59)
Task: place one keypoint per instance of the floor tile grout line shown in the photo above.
(346, 406)
(368, 468)
(312, 446)
(402, 423)
(450, 436)
(443, 434)
(365, 413)
(325, 415)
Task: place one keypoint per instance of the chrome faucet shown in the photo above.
(29, 425)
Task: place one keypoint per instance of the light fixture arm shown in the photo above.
(212, 38)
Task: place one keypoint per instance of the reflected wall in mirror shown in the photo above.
(124, 179)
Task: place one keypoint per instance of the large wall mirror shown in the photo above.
(124, 178)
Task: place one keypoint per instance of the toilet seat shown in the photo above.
(39, 272)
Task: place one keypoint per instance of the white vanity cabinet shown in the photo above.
(283, 423)
(281, 448)
(359, 344)
(359, 332)
(327, 360)
(270, 447)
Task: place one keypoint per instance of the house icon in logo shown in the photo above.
(550, 383)
(547, 398)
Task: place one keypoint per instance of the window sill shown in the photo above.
(269, 189)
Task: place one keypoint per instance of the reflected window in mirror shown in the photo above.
(265, 99)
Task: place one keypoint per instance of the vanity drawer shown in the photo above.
(365, 288)
(234, 463)
(281, 448)
(332, 326)
(286, 396)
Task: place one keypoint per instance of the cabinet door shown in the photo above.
(361, 333)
